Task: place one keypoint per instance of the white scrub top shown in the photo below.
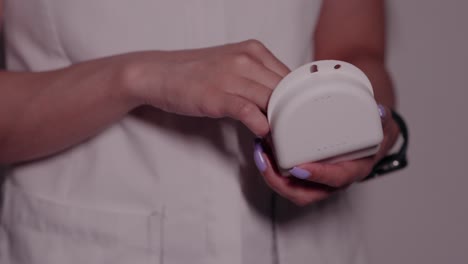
(157, 187)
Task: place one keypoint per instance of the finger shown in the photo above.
(247, 112)
(259, 157)
(385, 114)
(250, 90)
(335, 175)
(391, 132)
(251, 68)
(264, 165)
(263, 54)
(301, 193)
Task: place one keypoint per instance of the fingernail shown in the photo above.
(382, 111)
(299, 173)
(260, 162)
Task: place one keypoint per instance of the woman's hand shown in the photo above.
(234, 80)
(316, 181)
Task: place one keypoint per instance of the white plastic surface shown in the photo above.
(327, 115)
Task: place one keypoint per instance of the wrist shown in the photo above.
(377, 73)
(394, 161)
(374, 67)
(140, 80)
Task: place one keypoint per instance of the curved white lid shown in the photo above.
(323, 110)
(304, 74)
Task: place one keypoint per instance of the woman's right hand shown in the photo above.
(234, 80)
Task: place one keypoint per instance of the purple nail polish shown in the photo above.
(382, 111)
(299, 173)
(258, 157)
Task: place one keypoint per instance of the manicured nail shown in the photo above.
(382, 111)
(260, 162)
(299, 173)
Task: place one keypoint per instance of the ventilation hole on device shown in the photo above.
(337, 66)
(313, 68)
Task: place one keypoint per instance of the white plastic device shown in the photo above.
(324, 111)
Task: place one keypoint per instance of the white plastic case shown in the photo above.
(324, 111)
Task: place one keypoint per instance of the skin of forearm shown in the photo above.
(46, 112)
(360, 41)
(374, 67)
(377, 73)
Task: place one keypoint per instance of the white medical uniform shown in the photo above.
(156, 187)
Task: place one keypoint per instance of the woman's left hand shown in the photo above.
(316, 181)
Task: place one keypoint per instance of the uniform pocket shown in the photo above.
(40, 231)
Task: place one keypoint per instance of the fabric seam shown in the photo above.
(50, 20)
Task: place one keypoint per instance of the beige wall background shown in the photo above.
(420, 215)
